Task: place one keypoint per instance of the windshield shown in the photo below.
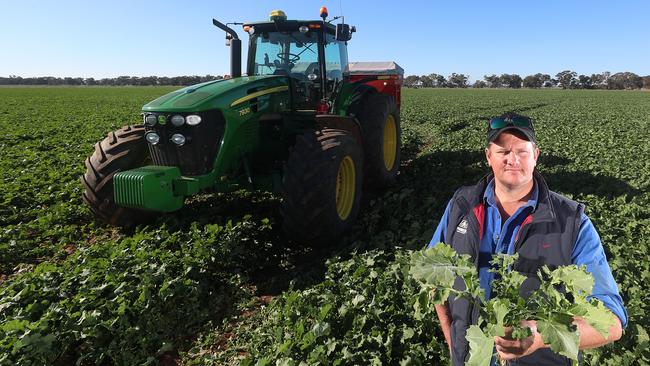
(285, 53)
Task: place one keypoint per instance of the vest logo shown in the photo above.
(462, 227)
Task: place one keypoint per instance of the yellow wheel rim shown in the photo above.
(345, 188)
(390, 142)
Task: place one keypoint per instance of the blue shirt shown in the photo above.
(500, 237)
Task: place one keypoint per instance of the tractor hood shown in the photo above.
(213, 94)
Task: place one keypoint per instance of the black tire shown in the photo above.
(123, 149)
(376, 112)
(309, 186)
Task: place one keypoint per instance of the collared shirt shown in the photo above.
(500, 237)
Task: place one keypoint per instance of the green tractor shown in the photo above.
(303, 122)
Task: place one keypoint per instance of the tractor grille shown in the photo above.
(197, 155)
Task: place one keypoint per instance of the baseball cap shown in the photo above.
(510, 121)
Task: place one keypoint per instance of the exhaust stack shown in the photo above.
(234, 42)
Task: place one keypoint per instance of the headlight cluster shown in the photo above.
(154, 138)
(176, 120)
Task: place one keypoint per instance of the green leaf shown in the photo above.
(480, 347)
(14, 325)
(438, 268)
(575, 279)
(599, 317)
(321, 329)
(561, 337)
(499, 309)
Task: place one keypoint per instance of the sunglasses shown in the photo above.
(518, 121)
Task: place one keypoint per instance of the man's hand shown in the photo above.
(510, 349)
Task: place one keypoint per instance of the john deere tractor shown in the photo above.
(303, 122)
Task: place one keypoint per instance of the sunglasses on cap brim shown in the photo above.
(518, 121)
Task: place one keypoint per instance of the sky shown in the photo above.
(171, 38)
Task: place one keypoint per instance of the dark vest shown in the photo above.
(546, 237)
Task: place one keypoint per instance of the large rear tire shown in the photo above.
(380, 121)
(321, 186)
(121, 150)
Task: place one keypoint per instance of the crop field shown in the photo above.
(218, 283)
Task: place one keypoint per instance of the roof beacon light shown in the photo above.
(277, 15)
(323, 12)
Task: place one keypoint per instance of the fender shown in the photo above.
(351, 97)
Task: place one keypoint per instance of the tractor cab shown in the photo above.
(306, 51)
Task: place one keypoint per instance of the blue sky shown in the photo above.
(168, 38)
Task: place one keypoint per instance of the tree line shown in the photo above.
(566, 79)
(118, 81)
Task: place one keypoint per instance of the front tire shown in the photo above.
(321, 186)
(121, 150)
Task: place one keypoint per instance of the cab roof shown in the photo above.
(288, 25)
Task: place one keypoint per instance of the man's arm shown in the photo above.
(510, 349)
(588, 251)
(444, 317)
(442, 311)
(441, 231)
(591, 338)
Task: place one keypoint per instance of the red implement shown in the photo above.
(390, 76)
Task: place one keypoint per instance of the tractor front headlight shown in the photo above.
(178, 139)
(152, 138)
(150, 119)
(178, 120)
(193, 120)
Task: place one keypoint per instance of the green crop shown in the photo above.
(594, 149)
(438, 268)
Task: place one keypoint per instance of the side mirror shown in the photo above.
(344, 32)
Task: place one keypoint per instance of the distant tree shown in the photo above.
(411, 81)
(511, 80)
(599, 81)
(566, 79)
(646, 82)
(426, 81)
(625, 80)
(492, 81)
(479, 84)
(552, 83)
(545, 78)
(457, 81)
(584, 82)
(533, 81)
(437, 80)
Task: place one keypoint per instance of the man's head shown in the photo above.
(512, 151)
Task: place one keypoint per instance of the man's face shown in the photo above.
(512, 159)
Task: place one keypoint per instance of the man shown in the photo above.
(511, 211)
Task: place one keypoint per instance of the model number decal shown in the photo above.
(244, 111)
